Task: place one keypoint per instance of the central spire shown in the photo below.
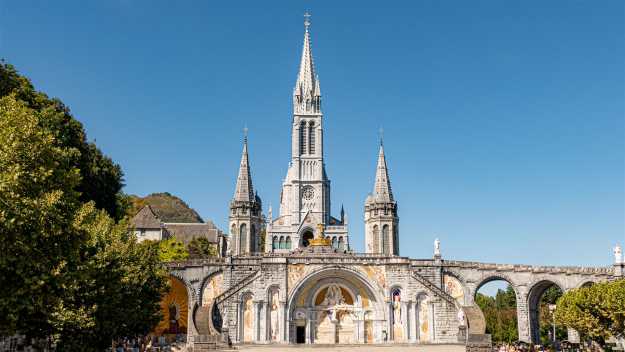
(307, 93)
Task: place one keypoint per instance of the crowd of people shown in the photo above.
(150, 344)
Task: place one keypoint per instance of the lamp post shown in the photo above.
(552, 310)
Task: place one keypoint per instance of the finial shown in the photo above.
(245, 130)
(306, 20)
(381, 135)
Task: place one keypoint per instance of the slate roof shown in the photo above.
(146, 218)
(185, 232)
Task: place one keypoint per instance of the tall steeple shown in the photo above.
(381, 220)
(245, 211)
(307, 92)
(244, 190)
(382, 191)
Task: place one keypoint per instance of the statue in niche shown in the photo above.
(274, 316)
(333, 297)
(397, 307)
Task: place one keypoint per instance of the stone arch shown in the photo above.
(369, 295)
(175, 308)
(586, 283)
(306, 234)
(463, 282)
(535, 293)
(490, 277)
(205, 282)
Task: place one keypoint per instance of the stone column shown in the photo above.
(191, 330)
(405, 320)
(258, 323)
(309, 315)
(412, 321)
(523, 314)
(389, 324)
(283, 326)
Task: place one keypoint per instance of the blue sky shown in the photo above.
(504, 120)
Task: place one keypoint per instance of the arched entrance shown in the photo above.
(497, 300)
(335, 306)
(541, 303)
(307, 236)
(175, 310)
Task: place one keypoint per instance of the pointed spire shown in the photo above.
(244, 190)
(307, 84)
(382, 191)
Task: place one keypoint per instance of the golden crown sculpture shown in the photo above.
(320, 239)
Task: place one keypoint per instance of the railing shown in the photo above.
(235, 288)
(432, 287)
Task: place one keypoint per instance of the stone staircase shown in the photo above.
(210, 338)
(432, 287)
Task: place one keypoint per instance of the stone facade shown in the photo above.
(307, 286)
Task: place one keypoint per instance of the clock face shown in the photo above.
(308, 193)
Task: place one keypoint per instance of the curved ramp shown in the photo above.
(475, 319)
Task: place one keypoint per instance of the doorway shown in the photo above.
(300, 334)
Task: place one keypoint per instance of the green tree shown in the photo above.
(38, 196)
(201, 248)
(596, 312)
(500, 315)
(117, 289)
(171, 250)
(101, 180)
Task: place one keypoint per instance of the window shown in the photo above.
(341, 243)
(302, 138)
(375, 238)
(288, 242)
(334, 243)
(386, 245)
(243, 247)
(282, 244)
(311, 137)
(274, 243)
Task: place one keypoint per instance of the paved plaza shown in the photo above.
(355, 348)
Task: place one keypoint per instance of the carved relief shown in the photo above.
(376, 274)
(296, 272)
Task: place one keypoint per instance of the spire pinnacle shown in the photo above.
(306, 20)
(382, 191)
(306, 95)
(244, 190)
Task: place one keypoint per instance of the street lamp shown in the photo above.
(552, 310)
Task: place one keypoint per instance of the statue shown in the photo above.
(333, 297)
(274, 316)
(437, 248)
(461, 317)
(618, 257)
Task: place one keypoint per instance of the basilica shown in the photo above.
(292, 277)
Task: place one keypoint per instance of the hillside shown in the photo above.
(168, 207)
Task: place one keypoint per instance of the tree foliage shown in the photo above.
(69, 272)
(101, 180)
(201, 248)
(171, 250)
(500, 315)
(596, 312)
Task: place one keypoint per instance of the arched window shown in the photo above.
(274, 243)
(386, 241)
(334, 243)
(341, 243)
(302, 138)
(288, 242)
(252, 238)
(243, 245)
(282, 242)
(375, 238)
(311, 137)
(395, 241)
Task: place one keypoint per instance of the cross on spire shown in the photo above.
(245, 130)
(306, 20)
(381, 135)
